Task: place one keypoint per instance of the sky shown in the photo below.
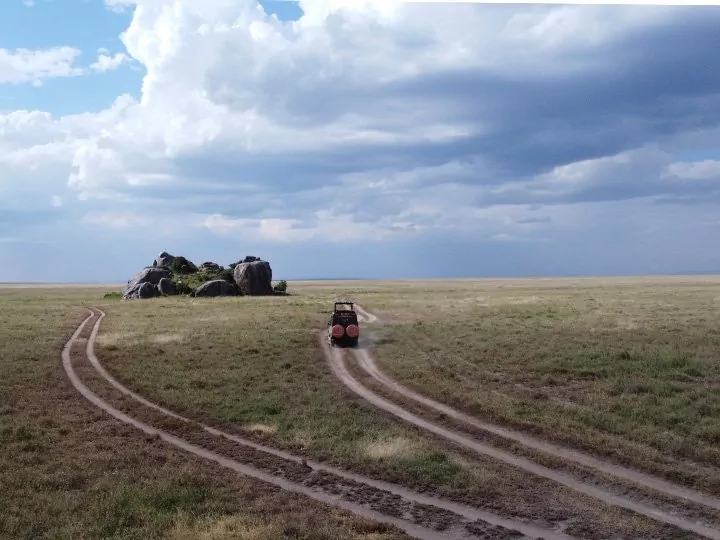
(358, 138)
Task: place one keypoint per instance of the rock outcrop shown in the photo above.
(176, 275)
(254, 277)
(215, 288)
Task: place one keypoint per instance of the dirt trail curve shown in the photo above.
(467, 514)
(337, 363)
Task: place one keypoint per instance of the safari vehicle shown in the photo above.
(344, 328)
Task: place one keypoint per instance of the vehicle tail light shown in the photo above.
(337, 331)
(352, 331)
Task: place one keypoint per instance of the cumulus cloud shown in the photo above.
(381, 121)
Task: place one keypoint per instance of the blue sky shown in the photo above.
(342, 138)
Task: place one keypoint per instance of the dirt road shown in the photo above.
(419, 515)
(363, 359)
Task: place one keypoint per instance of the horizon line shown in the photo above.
(456, 278)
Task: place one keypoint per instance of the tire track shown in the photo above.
(337, 363)
(618, 471)
(466, 512)
(658, 484)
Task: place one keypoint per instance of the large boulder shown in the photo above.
(216, 287)
(164, 259)
(147, 276)
(151, 275)
(254, 278)
(131, 291)
(147, 290)
(142, 291)
(167, 287)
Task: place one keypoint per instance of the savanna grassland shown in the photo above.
(623, 368)
(69, 471)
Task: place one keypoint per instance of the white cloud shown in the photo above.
(23, 66)
(105, 62)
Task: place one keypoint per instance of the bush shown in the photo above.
(113, 296)
(183, 287)
(281, 286)
(182, 266)
(227, 275)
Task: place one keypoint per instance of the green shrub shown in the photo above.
(227, 275)
(183, 287)
(281, 286)
(113, 296)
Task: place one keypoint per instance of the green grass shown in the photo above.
(68, 470)
(614, 368)
(626, 370)
(253, 364)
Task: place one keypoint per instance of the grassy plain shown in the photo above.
(69, 471)
(622, 367)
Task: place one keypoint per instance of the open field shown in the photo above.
(627, 370)
(68, 470)
(620, 368)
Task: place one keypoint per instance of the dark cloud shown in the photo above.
(645, 87)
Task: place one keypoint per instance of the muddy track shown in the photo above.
(456, 520)
(363, 358)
